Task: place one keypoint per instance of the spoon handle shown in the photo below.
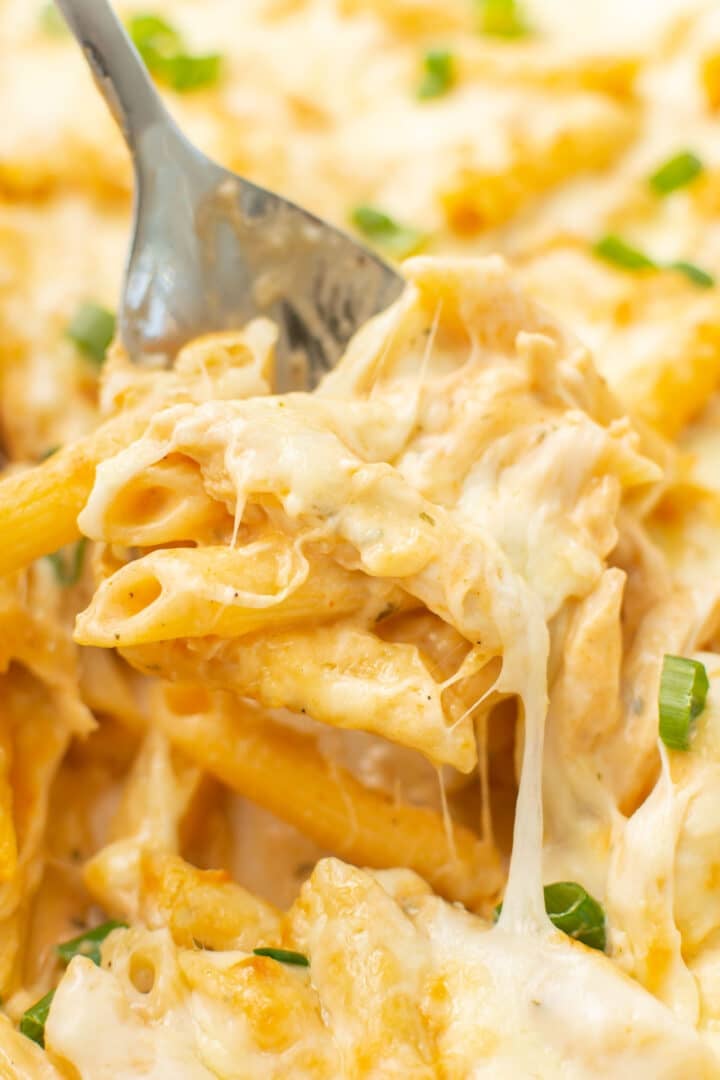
(120, 74)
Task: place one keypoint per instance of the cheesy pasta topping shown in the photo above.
(374, 730)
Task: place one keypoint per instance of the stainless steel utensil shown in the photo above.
(211, 250)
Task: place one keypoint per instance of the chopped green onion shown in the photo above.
(68, 562)
(163, 50)
(51, 21)
(614, 250)
(92, 328)
(32, 1023)
(574, 911)
(396, 239)
(694, 274)
(676, 173)
(683, 689)
(502, 18)
(438, 74)
(153, 34)
(89, 943)
(284, 956)
(184, 72)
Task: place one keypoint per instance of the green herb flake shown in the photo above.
(426, 517)
(153, 34)
(676, 173)
(391, 236)
(92, 328)
(578, 914)
(613, 249)
(438, 74)
(574, 911)
(68, 562)
(684, 687)
(163, 50)
(502, 18)
(284, 956)
(693, 273)
(32, 1023)
(185, 72)
(51, 21)
(88, 944)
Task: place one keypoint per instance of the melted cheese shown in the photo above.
(552, 485)
(466, 465)
(448, 996)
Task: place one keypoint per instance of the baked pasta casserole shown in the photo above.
(374, 731)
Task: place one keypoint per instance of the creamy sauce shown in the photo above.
(459, 538)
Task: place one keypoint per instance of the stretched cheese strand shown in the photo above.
(525, 672)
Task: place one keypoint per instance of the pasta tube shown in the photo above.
(340, 676)
(224, 591)
(202, 906)
(284, 772)
(39, 508)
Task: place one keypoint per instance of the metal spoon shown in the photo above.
(211, 250)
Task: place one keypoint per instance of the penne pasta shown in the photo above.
(383, 714)
(338, 675)
(270, 764)
(39, 508)
(202, 907)
(168, 503)
(223, 591)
